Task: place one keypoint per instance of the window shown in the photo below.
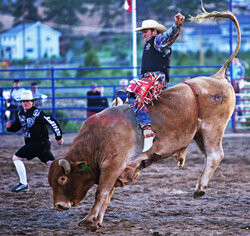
(30, 50)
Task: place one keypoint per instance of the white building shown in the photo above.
(40, 41)
(214, 37)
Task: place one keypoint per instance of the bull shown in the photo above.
(107, 151)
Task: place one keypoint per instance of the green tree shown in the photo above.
(5, 7)
(111, 12)
(63, 12)
(166, 9)
(87, 45)
(24, 10)
(91, 59)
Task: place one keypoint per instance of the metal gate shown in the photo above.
(241, 118)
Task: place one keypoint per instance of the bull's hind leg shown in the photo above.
(211, 145)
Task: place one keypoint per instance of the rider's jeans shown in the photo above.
(142, 116)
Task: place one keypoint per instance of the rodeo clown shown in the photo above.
(154, 71)
(33, 122)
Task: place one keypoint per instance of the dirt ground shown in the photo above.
(160, 202)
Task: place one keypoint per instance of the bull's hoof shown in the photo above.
(94, 226)
(144, 164)
(180, 163)
(85, 223)
(199, 193)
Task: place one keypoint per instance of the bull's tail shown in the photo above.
(224, 14)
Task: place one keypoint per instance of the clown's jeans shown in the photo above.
(142, 116)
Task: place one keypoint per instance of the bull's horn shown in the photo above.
(65, 164)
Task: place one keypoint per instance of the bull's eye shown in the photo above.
(62, 179)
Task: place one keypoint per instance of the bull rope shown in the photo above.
(116, 95)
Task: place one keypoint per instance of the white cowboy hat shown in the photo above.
(123, 82)
(151, 24)
(26, 95)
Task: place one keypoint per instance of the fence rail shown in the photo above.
(67, 102)
(241, 118)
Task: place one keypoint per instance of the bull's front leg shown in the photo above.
(98, 223)
(103, 194)
(95, 224)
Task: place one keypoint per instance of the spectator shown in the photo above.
(103, 101)
(15, 94)
(124, 84)
(238, 74)
(122, 93)
(238, 83)
(1, 104)
(93, 97)
(36, 94)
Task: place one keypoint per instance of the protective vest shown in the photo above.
(153, 60)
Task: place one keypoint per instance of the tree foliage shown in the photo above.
(165, 10)
(5, 6)
(109, 10)
(24, 10)
(91, 59)
(63, 12)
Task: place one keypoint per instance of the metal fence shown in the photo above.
(68, 102)
(241, 118)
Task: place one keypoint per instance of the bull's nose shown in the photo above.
(60, 206)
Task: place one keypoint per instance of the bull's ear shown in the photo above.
(82, 166)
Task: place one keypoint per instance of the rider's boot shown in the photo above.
(148, 135)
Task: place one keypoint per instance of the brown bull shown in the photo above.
(107, 151)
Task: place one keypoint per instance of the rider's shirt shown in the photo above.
(158, 51)
(164, 41)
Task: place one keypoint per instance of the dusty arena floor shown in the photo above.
(160, 202)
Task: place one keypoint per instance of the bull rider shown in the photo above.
(154, 73)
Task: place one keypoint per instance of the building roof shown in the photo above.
(19, 28)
